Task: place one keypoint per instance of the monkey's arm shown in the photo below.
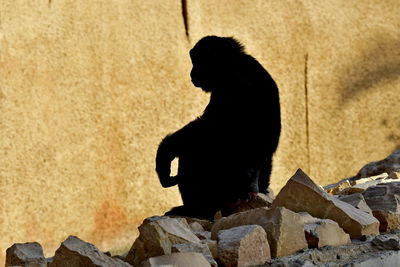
(170, 148)
(165, 154)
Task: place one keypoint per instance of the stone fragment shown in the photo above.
(212, 246)
(383, 197)
(356, 181)
(194, 247)
(337, 187)
(284, 228)
(388, 165)
(386, 242)
(191, 259)
(388, 220)
(243, 246)
(156, 237)
(323, 232)
(302, 194)
(357, 201)
(26, 254)
(361, 187)
(74, 252)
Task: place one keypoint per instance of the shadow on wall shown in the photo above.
(392, 137)
(378, 64)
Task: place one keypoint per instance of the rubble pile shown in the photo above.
(355, 222)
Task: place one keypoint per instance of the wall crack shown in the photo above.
(307, 115)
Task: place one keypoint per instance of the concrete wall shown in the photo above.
(89, 88)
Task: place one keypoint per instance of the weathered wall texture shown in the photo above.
(89, 88)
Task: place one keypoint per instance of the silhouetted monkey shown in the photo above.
(226, 153)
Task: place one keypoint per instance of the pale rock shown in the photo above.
(243, 246)
(196, 227)
(204, 223)
(302, 194)
(337, 187)
(194, 247)
(323, 232)
(74, 252)
(355, 180)
(186, 259)
(156, 237)
(199, 231)
(284, 228)
(388, 165)
(27, 254)
(212, 246)
(361, 187)
(357, 201)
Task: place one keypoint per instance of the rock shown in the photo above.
(386, 242)
(383, 197)
(356, 181)
(323, 232)
(74, 252)
(212, 246)
(362, 254)
(353, 185)
(388, 220)
(156, 237)
(388, 165)
(191, 259)
(204, 223)
(243, 246)
(199, 231)
(26, 254)
(337, 187)
(194, 247)
(196, 227)
(302, 194)
(284, 228)
(357, 201)
(361, 187)
(394, 175)
(203, 235)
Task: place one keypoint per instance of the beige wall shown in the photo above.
(89, 88)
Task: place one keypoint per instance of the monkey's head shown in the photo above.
(214, 59)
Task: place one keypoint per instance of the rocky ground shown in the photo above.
(355, 222)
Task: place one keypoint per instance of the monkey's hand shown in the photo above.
(164, 157)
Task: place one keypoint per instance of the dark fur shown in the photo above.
(227, 152)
